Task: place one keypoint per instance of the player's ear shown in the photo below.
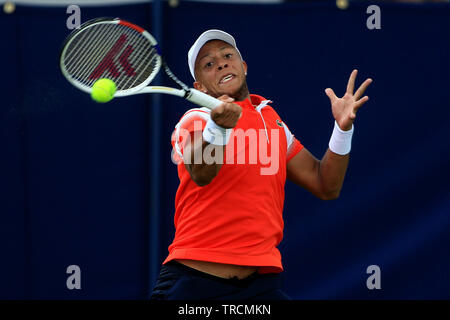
(244, 64)
(199, 87)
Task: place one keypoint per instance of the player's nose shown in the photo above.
(222, 66)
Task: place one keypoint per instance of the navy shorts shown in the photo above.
(179, 282)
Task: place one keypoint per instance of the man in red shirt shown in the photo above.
(233, 162)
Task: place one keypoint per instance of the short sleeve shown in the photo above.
(193, 120)
(293, 145)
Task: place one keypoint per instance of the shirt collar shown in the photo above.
(257, 101)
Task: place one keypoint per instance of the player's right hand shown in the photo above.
(227, 114)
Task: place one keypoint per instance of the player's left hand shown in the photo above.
(344, 109)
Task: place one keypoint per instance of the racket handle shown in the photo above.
(202, 99)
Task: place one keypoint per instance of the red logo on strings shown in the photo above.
(108, 61)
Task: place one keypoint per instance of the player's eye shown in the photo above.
(208, 64)
(228, 55)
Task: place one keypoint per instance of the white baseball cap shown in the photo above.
(206, 36)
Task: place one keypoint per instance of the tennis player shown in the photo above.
(228, 216)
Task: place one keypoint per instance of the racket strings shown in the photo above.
(91, 55)
(113, 51)
(86, 52)
(144, 54)
(150, 59)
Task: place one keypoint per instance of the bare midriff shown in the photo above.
(222, 270)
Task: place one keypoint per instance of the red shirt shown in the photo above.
(238, 217)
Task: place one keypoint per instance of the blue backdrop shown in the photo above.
(76, 176)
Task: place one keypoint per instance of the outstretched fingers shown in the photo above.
(330, 93)
(360, 102)
(351, 82)
(358, 94)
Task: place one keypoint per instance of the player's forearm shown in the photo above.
(332, 171)
(203, 166)
(205, 158)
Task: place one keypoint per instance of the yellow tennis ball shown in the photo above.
(103, 90)
(342, 4)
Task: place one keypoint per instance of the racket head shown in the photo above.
(110, 48)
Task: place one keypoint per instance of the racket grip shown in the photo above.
(202, 99)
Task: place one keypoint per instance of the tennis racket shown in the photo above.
(124, 53)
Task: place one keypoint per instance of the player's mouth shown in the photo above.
(227, 78)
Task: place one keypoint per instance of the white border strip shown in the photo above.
(65, 3)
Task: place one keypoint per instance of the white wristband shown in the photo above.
(215, 134)
(341, 141)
